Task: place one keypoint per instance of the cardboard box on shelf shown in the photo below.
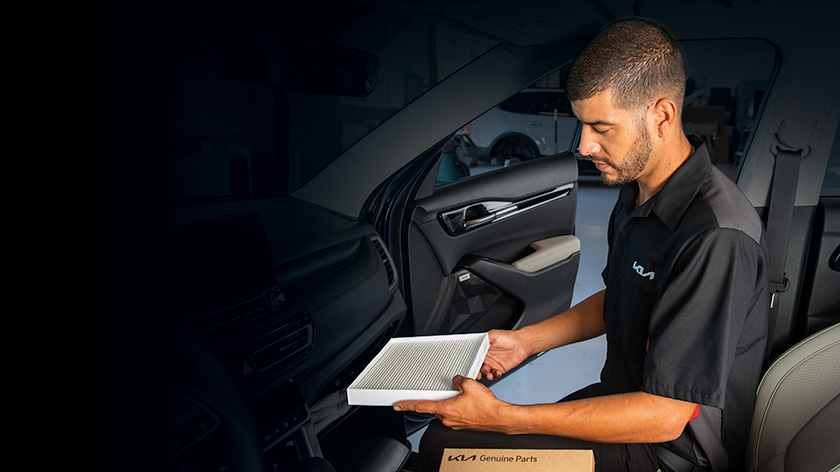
(721, 149)
(709, 121)
(715, 115)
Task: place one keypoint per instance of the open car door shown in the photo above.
(495, 250)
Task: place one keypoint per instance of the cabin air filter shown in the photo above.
(418, 368)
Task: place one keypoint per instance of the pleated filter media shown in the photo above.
(418, 368)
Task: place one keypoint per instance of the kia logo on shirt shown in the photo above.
(641, 271)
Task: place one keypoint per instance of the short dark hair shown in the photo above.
(638, 61)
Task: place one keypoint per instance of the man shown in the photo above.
(686, 301)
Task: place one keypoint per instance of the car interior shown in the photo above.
(270, 211)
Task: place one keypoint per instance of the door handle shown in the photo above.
(472, 216)
(479, 221)
(478, 214)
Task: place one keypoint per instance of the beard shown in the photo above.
(634, 161)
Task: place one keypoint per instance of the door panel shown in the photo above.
(480, 254)
(820, 303)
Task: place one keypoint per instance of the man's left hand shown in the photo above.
(475, 408)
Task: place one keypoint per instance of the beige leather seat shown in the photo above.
(796, 423)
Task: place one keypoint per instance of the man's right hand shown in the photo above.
(506, 352)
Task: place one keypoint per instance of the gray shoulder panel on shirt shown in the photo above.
(730, 206)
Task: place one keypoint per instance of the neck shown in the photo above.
(664, 161)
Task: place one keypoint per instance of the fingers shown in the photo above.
(486, 374)
(430, 406)
(419, 406)
(491, 370)
(457, 382)
(466, 385)
(489, 375)
(493, 366)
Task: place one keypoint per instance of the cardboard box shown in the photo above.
(715, 116)
(722, 149)
(709, 121)
(517, 460)
(418, 368)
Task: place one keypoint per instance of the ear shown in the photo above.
(664, 115)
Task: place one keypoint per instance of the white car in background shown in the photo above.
(534, 122)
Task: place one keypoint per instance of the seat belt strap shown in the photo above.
(779, 218)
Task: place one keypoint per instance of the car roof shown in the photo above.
(548, 22)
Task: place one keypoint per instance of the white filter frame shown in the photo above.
(418, 368)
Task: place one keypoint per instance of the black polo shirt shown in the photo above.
(686, 304)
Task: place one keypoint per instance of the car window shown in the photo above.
(546, 103)
(519, 103)
(831, 182)
(722, 104)
(537, 103)
(530, 124)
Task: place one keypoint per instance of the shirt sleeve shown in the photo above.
(696, 324)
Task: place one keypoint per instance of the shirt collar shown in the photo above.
(671, 202)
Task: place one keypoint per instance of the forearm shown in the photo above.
(579, 323)
(636, 417)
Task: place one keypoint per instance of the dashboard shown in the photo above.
(273, 318)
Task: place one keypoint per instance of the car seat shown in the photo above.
(796, 421)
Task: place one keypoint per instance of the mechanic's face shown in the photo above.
(616, 140)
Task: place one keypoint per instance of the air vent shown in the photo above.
(285, 346)
(276, 351)
(386, 259)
